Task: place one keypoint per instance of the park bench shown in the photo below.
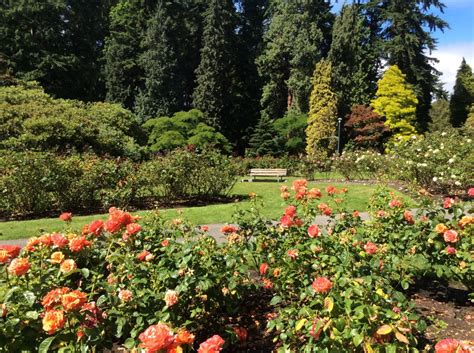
(278, 173)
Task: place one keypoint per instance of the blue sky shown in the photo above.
(455, 43)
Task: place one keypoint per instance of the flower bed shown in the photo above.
(169, 287)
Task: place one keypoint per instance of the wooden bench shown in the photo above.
(279, 173)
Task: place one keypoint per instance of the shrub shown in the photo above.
(32, 120)
(366, 128)
(340, 287)
(184, 128)
(33, 183)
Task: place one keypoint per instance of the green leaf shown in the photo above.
(129, 343)
(275, 300)
(32, 315)
(10, 293)
(85, 272)
(44, 346)
(357, 339)
(30, 297)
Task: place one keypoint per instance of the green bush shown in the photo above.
(32, 120)
(183, 128)
(38, 182)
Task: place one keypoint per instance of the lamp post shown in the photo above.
(339, 121)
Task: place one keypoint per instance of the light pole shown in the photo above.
(339, 121)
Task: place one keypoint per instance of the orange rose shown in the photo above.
(66, 216)
(112, 226)
(125, 295)
(156, 338)
(212, 345)
(19, 267)
(184, 337)
(67, 266)
(78, 243)
(466, 220)
(440, 228)
(73, 300)
(57, 257)
(96, 227)
(171, 298)
(12, 251)
(4, 257)
(322, 285)
(53, 320)
(53, 297)
(450, 236)
(314, 193)
(59, 240)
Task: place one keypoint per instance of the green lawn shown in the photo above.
(268, 192)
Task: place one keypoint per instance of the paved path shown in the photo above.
(214, 230)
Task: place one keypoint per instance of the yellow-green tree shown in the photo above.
(321, 131)
(397, 102)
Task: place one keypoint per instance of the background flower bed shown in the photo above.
(337, 287)
(38, 182)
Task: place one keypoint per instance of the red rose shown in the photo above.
(78, 243)
(11, 251)
(133, 228)
(449, 345)
(212, 345)
(19, 266)
(59, 240)
(450, 236)
(450, 250)
(96, 227)
(66, 216)
(448, 202)
(286, 221)
(204, 228)
(263, 268)
(395, 203)
(290, 211)
(470, 192)
(322, 285)
(112, 226)
(156, 338)
(370, 248)
(355, 214)
(408, 216)
(293, 254)
(331, 190)
(228, 229)
(314, 231)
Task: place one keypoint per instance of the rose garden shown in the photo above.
(236, 176)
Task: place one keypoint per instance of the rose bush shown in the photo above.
(169, 287)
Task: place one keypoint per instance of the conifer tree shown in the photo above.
(463, 95)
(123, 72)
(213, 75)
(407, 40)
(264, 140)
(163, 91)
(298, 36)
(321, 131)
(439, 114)
(397, 102)
(355, 59)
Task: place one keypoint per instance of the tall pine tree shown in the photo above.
(321, 131)
(213, 75)
(407, 40)
(123, 72)
(298, 36)
(463, 95)
(355, 59)
(396, 101)
(163, 91)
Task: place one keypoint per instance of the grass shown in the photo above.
(267, 191)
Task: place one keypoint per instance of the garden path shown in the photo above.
(214, 230)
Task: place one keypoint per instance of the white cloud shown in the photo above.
(450, 57)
